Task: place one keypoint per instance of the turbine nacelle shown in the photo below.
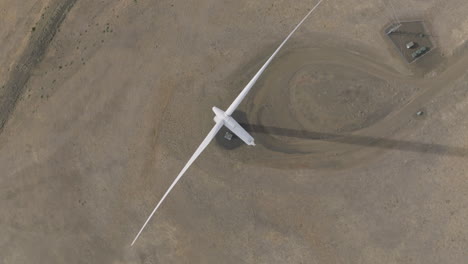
(231, 124)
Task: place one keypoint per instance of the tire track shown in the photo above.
(39, 41)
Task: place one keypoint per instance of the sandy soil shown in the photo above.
(104, 101)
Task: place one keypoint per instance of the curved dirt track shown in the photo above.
(335, 104)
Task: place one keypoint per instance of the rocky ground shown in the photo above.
(360, 157)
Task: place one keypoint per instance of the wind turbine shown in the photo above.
(224, 118)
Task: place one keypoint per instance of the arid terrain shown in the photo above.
(360, 157)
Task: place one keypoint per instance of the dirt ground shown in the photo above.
(103, 102)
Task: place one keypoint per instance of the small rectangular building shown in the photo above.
(410, 45)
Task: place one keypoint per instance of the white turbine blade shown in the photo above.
(195, 155)
(247, 88)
